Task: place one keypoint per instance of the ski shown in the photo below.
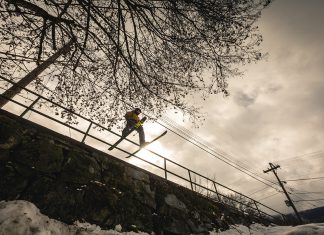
(140, 123)
(150, 142)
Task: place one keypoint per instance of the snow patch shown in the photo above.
(22, 217)
(258, 229)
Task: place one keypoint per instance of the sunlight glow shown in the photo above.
(144, 154)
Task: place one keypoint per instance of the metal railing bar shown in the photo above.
(216, 191)
(45, 115)
(208, 189)
(109, 130)
(30, 106)
(181, 177)
(82, 132)
(85, 136)
(166, 171)
(60, 122)
(89, 120)
(256, 205)
(61, 106)
(238, 209)
(233, 207)
(64, 124)
(234, 191)
(190, 180)
(72, 112)
(102, 141)
(221, 185)
(231, 199)
(153, 164)
(218, 184)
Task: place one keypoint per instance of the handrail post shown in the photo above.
(257, 208)
(30, 106)
(165, 170)
(85, 135)
(216, 191)
(190, 180)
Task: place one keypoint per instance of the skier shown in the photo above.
(132, 118)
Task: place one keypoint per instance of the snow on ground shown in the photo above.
(24, 218)
(257, 229)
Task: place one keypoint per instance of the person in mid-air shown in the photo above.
(132, 118)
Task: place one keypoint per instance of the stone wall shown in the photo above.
(70, 181)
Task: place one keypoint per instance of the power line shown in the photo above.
(304, 193)
(303, 200)
(310, 200)
(207, 145)
(304, 175)
(314, 178)
(258, 191)
(308, 192)
(212, 152)
(269, 196)
(312, 154)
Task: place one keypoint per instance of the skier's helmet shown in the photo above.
(137, 111)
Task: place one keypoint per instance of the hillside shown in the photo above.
(315, 215)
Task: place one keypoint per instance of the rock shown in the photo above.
(173, 201)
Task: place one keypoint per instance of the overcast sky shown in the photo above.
(275, 111)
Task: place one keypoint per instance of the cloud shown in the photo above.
(244, 99)
(276, 110)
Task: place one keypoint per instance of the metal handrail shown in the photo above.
(166, 171)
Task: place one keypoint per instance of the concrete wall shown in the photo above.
(70, 181)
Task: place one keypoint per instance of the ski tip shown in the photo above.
(111, 148)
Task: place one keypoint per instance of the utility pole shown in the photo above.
(15, 89)
(290, 203)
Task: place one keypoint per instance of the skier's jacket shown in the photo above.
(132, 116)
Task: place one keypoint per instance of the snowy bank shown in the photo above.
(24, 218)
(257, 229)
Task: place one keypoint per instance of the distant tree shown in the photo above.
(144, 53)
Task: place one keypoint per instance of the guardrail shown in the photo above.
(244, 204)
